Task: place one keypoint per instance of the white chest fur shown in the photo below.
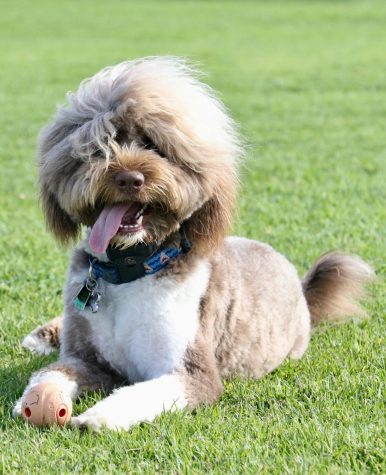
(144, 327)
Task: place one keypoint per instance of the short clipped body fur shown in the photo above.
(144, 152)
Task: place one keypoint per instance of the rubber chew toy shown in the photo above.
(46, 405)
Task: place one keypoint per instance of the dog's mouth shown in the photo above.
(132, 220)
(122, 219)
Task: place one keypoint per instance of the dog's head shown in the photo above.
(139, 149)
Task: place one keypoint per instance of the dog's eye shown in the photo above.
(121, 136)
(147, 143)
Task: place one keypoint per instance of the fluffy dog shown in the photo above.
(157, 301)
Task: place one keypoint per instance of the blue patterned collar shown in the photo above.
(126, 265)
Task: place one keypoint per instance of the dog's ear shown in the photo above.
(57, 220)
(208, 226)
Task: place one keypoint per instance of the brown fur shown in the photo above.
(209, 225)
(50, 332)
(201, 377)
(89, 376)
(58, 221)
(334, 285)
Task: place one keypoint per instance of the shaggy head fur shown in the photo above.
(151, 117)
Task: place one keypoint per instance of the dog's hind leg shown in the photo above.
(303, 330)
(46, 338)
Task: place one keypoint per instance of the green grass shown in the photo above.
(307, 83)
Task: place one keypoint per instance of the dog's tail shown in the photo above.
(333, 286)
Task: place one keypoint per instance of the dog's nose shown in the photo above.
(129, 180)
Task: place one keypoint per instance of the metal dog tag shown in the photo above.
(83, 296)
(88, 294)
(93, 301)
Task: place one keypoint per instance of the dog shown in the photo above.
(161, 306)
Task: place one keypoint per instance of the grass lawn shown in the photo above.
(307, 83)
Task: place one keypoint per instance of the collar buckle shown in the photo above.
(130, 262)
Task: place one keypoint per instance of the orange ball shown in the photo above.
(46, 405)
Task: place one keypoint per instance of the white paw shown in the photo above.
(16, 411)
(36, 344)
(96, 420)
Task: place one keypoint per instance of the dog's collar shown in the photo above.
(127, 265)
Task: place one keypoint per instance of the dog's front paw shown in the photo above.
(44, 339)
(97, 418)
(16, 411)
(35, 344)
(38, 342)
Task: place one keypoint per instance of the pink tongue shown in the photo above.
(106, 226)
